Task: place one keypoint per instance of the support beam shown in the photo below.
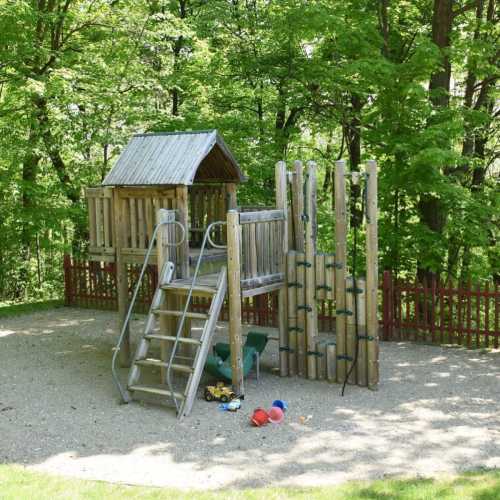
(234, 293)
(372, 275)
(340, 268)
(310, 250)
(121, 274)
(281, 204)
(181, 201)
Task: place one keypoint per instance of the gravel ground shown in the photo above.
(437, 410)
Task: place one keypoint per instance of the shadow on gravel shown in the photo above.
(437, 409)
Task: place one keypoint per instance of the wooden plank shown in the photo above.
(133, 223)
(99, 192)
(92, 221)
(292, 311)
(264, 289)
(234, 298)
(99, 222)
(320, 277)
(281, 204)
(107, 222)
(263, 216)
(310, 251)
(148, 202)
(340, 270)
(141, 223)
(253, 250)
(330, 276)
(372, 274)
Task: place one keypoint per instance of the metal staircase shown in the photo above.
(175, 363)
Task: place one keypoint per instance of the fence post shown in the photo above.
(68, 285)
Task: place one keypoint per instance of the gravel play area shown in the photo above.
(437, 410)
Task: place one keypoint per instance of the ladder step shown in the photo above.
(181, 288)
(155, 390)
(163, 364)
(191, 315)
(186, 340)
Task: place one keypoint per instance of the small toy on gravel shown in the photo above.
(219, 392)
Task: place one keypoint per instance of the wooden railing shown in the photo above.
(262, 258)
(100, 213)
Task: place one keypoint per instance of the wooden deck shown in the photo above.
(249, 287)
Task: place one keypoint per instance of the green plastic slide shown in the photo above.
(219, 364)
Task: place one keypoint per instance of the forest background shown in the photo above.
(412, 84)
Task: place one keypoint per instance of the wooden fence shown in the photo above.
(441, 313)
(466, 315)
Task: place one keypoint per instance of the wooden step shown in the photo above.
(164, 364)
(155, 390)
(184, 288)
(192, 315)
(186, 340)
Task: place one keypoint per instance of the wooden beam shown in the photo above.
(340, 269)
(310, 250)
(234, 298)
(281, 205)
(264, 216)
(298, 205)
(183, 217)
(372, 275)
(121, 274)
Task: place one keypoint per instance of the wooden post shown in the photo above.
(298, 205)
(232, 202)
(301, 314)
(281, 203)
(167, 324)
(121, 274)
(181, 199)
(331, 362)
(292, 311)
(372, 274)
(340, 269)
(234, 287)
(362, 364)
(310, 250)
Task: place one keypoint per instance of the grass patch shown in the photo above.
(15, 308)
(17, 482)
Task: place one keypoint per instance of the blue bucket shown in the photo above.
(280, 404)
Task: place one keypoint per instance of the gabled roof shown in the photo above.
(170, 158)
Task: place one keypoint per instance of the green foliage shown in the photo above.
(290, 79)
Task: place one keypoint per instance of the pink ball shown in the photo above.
(276, 415)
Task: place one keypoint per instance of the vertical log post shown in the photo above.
(340, 267)
(298, 205)
(281, 203)
(310, 251)
(372, 275)
(121, 273)
(292, 312)
(301, 314)
(234, 286)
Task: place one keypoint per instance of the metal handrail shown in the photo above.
(123, 392)
(180, 326)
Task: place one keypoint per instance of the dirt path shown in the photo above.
(438, 409)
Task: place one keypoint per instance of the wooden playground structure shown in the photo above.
(171, 198)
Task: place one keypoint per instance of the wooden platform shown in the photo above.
(249, 287)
